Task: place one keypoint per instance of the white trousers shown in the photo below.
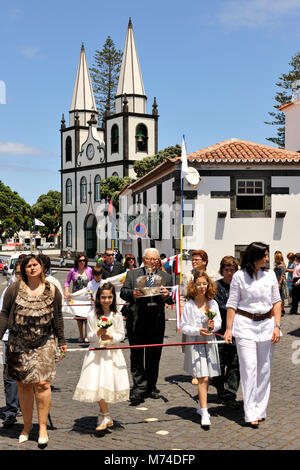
(255, 368)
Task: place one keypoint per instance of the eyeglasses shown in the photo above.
(151, 259)
(128, 259)
(81, 260)
(109, 255)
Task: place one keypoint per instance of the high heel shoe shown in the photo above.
(24, 437)
(104, 422)
(43, 442)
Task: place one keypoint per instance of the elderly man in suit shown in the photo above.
(110, 266)
(145, 325)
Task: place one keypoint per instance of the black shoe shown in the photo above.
(154, 394)
(135, 401)
(233, 404)
(9, 421)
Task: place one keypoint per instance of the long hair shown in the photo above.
(278, 259)
(77, 258)
(98, 307)
(211, 290)
(24, 263)
(254, 252)
(126, 264)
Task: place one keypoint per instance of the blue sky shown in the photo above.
(211, 65)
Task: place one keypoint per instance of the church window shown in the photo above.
(68, 149)
(83, 189)
(114, 139)
(69, 191)
(97, 193)
(141, 138)
(69, 234)
(115, 173)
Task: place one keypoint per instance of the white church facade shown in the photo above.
(90, 153)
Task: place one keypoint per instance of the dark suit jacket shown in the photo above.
(117, 269)
(126, 292)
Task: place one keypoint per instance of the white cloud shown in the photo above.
(13, 148)
(30, 52)
(255, 13)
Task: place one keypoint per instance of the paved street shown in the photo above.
(170, 422)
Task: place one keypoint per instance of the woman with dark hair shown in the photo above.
(80, 276)
(130, 262)
(32, 313)
(253, 318)
(296, 285)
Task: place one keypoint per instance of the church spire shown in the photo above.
(83, 99)
(130, 79)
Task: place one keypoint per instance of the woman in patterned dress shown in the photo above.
(32, 313)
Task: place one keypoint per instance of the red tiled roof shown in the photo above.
(242, 151)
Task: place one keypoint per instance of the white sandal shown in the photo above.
(104, 421)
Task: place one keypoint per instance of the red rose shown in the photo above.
(104, 319)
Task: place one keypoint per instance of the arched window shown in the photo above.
(83, 189)
(97, 194)
(141, 138)
(68, 149)
(114, 139)
(69, 234)
(69, 191)
(115, 173)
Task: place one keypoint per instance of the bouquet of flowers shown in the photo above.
(210, 315)
(90, 293)
(59, 356)
(104, 323)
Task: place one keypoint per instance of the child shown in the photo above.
(104, 377)
(97, 281)
(201, 360)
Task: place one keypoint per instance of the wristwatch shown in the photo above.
(278, 325)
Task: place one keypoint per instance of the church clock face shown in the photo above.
(90, 151)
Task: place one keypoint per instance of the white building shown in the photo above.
(246, 192)
(90, 153)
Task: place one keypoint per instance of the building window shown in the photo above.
(68, 149)
(115, 173)
(69, 234)
(83, 189)
(114, 139)
(250, 195)
(97, 194)
(141, 138)
(69, 191)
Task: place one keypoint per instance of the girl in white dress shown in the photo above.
(201, 360)
(104, 377)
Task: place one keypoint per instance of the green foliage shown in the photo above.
(105, 74)
(48, 209)
(111, 186)
(142, 167)
(15, 213)
(283, 97)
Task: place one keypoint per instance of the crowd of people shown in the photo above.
(243, 303)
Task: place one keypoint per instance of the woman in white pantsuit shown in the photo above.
(253, 318)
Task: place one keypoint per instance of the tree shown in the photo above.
(15, 213)
(284, 96)
(141, 167)
(111, 186)
(105, 74)
(47, 209)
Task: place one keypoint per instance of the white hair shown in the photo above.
(151, 249)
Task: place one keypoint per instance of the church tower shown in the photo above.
(82, 165)
(130, 134)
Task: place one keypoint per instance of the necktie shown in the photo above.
(150, 280)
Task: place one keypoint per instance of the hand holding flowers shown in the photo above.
(211, 324)
(104, 323)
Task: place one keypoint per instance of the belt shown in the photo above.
(255, 316)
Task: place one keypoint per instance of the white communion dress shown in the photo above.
(104, 373)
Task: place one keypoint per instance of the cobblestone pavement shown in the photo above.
(170, 422)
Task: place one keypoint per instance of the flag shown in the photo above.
(111, 207)
(38, 222)
(184, 163)
(176, 298)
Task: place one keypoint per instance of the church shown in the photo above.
(90, 153)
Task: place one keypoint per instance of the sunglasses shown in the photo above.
(128, 259)
(81, 260)
(97, 274)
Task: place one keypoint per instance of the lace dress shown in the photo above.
(31, 344)
(104, 373)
